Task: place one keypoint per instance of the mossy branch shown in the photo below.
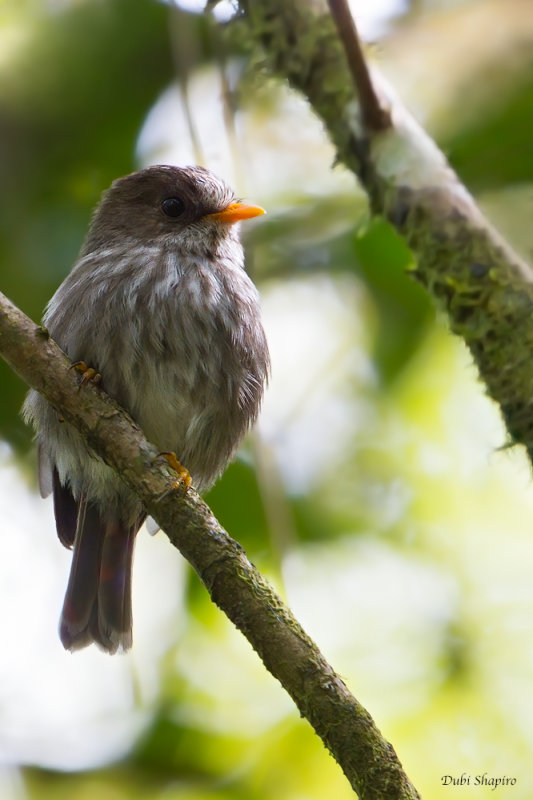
(346, 728)
(484, 287)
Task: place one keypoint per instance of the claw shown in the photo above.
(88, 374)
(184, 476)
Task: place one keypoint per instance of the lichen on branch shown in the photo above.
(485, 289)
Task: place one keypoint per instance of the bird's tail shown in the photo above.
(97, 605)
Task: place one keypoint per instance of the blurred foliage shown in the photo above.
(73, 95)
(404, 309)
(479, 100)
(390, 549)
(494, 149)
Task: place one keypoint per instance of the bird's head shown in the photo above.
(178, 205)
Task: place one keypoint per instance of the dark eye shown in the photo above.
(173, 206)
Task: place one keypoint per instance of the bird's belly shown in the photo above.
(190, 408)
(185, 366)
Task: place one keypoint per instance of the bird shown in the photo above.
(160, 305)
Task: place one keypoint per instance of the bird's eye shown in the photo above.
(173, 206)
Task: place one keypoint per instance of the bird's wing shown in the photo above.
(65, 510)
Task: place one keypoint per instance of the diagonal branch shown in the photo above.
(346, 728)
(484, 287)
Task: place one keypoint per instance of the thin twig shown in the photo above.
(375, 118)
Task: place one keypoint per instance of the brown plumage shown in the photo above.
(160, 305)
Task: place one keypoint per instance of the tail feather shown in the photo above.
(114, 589)
(97, 605)
(82, 589)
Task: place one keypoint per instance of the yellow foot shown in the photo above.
(88, 374)
(184, 476)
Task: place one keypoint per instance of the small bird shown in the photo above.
(160, 306)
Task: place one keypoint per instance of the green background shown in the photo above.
(377, 493)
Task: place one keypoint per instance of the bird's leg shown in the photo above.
(184, 476)
(88, 374)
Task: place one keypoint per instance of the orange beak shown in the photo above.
(237, 211)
